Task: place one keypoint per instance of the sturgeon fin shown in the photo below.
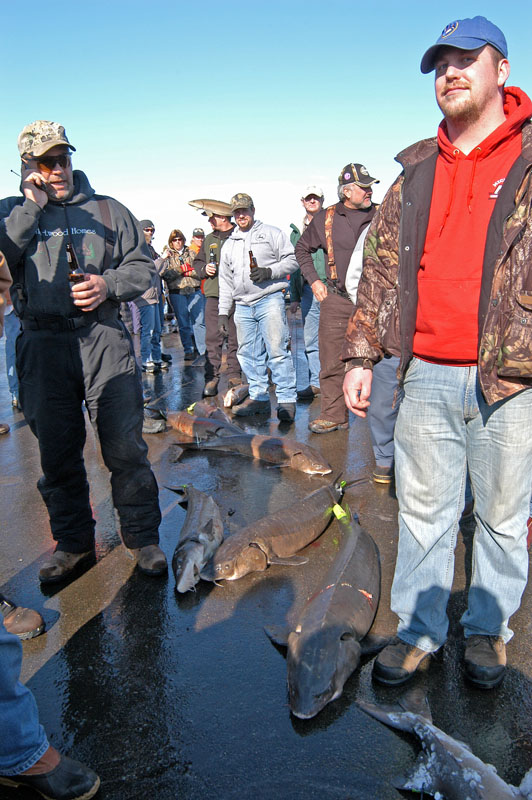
(419, 778)
(182, 490)
(372, 644)
(278, 634)
(289, 561)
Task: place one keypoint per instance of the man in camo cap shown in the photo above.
(73, 346)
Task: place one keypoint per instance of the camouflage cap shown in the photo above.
(240, 200)
(40, 136)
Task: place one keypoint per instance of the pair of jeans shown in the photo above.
(190, 314)
(382, 413)
(444, 428)
(11, 330)
(150, 333)
(310, 313)
(262, 332)
(22, 740)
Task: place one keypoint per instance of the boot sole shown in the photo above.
(13, 782)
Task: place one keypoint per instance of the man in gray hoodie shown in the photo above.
(254, 265)
(74, 256)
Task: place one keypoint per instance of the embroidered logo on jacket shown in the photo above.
(497, 186)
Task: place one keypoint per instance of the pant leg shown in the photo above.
(114, 400)
(251, 351)
(179, 304)
(196, 312)
(430, 469)
(310, 312)
(51, 394)
(232, 362)
(499, 455)
(270, 312)
(22, 740)
(11, 330)
(155, 342)
(382, 413)
(335, 312)
(147, 323)
(213, 340)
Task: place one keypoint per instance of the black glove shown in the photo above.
(223, 324)
(259, 274)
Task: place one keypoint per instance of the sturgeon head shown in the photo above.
(318, 664)
(187, 564)
(309, 462)
(228, 565)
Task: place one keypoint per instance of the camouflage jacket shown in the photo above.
(384, 319)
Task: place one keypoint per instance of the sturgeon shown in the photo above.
(200, 537)
(274, 450)
(445, 768)
(236, 395)
(328, 639)
(276, 538)
(201, 428)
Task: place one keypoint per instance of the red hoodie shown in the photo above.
(463, 197)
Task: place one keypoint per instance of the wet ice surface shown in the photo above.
(184, 696)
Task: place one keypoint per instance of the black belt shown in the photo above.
(51, 322)
(335, 290)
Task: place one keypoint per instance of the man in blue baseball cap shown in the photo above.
(447, 283)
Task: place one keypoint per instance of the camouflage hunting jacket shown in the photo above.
(384, 319)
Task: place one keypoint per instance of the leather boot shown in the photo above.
(61, 564)
(23, 622)
(150, 559)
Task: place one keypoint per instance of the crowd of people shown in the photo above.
(422, 304)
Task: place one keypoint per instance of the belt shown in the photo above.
(52, 322)
(335, 290)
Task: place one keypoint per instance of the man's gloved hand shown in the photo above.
(259, 274)
(223, 324)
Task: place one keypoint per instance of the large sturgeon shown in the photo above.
(198, 428)
(445, 768)
(274, 450)
(200, 537)
(276, 538)
(325, 645)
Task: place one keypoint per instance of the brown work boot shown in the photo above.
(327, 426)
(485, 660)
(23, 622)
(250, 407)
(397, 663)
(150, 559)
(383, 474)
(61, 564)
(4, 428)
(57, 777)
(211, 388)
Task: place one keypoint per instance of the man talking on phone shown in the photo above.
(74, 257)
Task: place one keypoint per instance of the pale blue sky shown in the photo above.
(168, 101)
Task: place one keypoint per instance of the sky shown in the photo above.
(170, 101)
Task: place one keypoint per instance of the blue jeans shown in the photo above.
(11, 330)
(190, 313)
(382, 413)
(262, 330)
(444, 428)
(150, 333)
(23, 740)
(310, 312)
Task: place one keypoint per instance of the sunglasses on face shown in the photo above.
(149, 230)
(47, 163)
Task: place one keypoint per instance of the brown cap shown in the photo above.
(241, 200)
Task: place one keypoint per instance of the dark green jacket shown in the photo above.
(296, 278)
(215, 240)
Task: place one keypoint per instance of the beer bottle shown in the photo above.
(212, 259)
(75, 273)
(252, 261)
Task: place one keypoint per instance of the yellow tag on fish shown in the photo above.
(190, 409)
(338, 511)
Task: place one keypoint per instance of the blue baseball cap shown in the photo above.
(466, 34)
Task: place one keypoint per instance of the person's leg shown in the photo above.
(430, 468)
(52, 403)
(270, 314)
(251, 351)
(196, 311)
(147, 318)
(114, 400)
(179, 304)
(334, 316)
(12, 330)
(232, 362)
(23, 740)
(310, 312)
(499, 453)
(155, 342)
(213, 340)
(382, 413)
